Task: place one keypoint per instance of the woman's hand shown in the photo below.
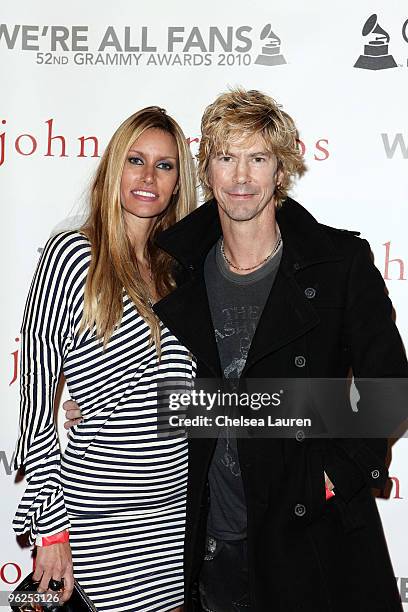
(55, 562)
(72, 414)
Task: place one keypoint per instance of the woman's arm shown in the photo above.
(46, 337)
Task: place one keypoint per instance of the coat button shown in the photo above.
(296, 266)
(310, 293)
(300, 361)
(375, 474)
(300, 510)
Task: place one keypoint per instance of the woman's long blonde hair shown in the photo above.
(113, 268)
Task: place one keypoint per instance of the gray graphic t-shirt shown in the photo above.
(236, 303)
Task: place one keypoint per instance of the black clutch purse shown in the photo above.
(24, 599)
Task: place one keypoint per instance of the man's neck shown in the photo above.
(248, 243)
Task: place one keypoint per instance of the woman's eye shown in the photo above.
(135, 160)
(165, 166)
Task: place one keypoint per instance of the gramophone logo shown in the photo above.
(270, 55)
(376, 56)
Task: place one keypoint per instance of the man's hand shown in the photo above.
(72, 414)
(328, 482)
(54, 562)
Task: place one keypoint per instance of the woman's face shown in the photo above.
(150, 174)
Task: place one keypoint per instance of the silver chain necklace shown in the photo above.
(275, 249)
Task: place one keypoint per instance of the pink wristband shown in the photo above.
(56, 538)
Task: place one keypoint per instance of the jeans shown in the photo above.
(223, 581)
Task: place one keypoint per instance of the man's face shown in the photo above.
(243, 178)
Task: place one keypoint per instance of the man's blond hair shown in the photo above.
(240, 115)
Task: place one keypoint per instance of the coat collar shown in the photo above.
(190, 240)
(186, 310)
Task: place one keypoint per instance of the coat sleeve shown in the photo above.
(45, 340)
(376, 352)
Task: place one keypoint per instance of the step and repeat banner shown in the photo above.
(70, 74)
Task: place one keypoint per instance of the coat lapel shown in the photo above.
(286, 316)
(186, 312)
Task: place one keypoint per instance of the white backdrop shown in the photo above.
(77, 71)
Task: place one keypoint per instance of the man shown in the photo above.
(265, 291)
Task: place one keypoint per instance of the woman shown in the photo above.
(119, 488)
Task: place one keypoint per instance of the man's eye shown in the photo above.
(135, 160)
(225, 158)
(259, 160)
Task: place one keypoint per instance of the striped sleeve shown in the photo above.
(46, 336)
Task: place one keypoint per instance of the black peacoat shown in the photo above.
(327, 313)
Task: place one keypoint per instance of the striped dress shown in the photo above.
(119, 487)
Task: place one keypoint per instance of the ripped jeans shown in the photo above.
(223, 582)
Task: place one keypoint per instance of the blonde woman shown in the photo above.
(111, 510)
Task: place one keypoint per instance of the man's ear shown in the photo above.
(208, 173)
(280, 174)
